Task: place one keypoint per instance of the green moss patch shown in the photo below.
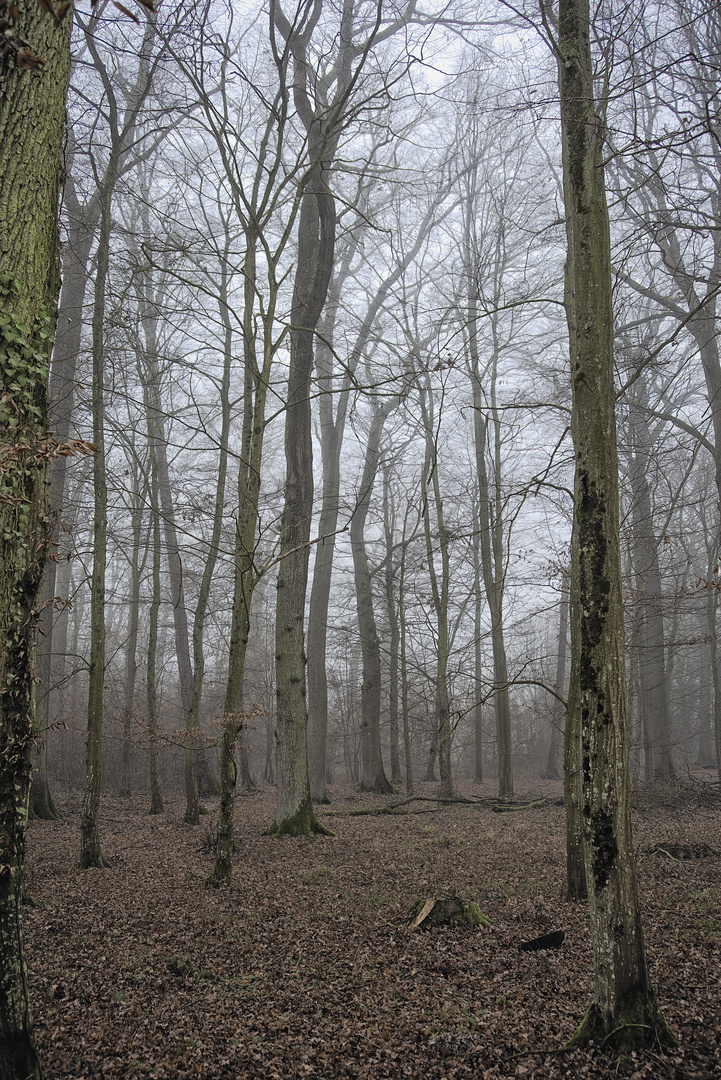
(425, 913)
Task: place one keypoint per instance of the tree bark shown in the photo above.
(652, 666)
(157, 440)
(66, 348)
(32, 113)
(373, 775)
(156, 795)
(554, 764)
(623, 1012)
(90, 850)
(393, 626)
(477, 659)
(247, 573)
(131, 641)
(316, 236)
(440, 592)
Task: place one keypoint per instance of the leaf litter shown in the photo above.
(304, 967)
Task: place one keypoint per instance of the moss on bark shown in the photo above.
(448, 911)
(301, 823)
(637, 1023)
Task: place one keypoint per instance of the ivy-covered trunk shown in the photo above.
(32, 107)
(623, 1012)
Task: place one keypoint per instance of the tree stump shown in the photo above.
(445, 911)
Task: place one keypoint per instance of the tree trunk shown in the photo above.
(373, 776)
(477, 660)
(246, 575)
(439, 592)
(623, 1011)
(66, 348)
(712, 615)
(156, 796)
(652, 667)
(316, 234)
(554, 764)
(494, 595)
(90, 851)
(156, 437)
(331, 441)
(408, 760)
(32, 115)
(394, 637)
(131, 646)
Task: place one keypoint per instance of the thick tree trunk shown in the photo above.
(623, 1012)
(32, 112)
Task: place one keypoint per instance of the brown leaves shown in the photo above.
(126, 12)
(42, 449)
(58, 15)
(302, 968)
(27, 60)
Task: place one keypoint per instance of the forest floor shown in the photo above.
(305, 968)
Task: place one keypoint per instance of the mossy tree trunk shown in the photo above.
(32, 114)
(623, 1012)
